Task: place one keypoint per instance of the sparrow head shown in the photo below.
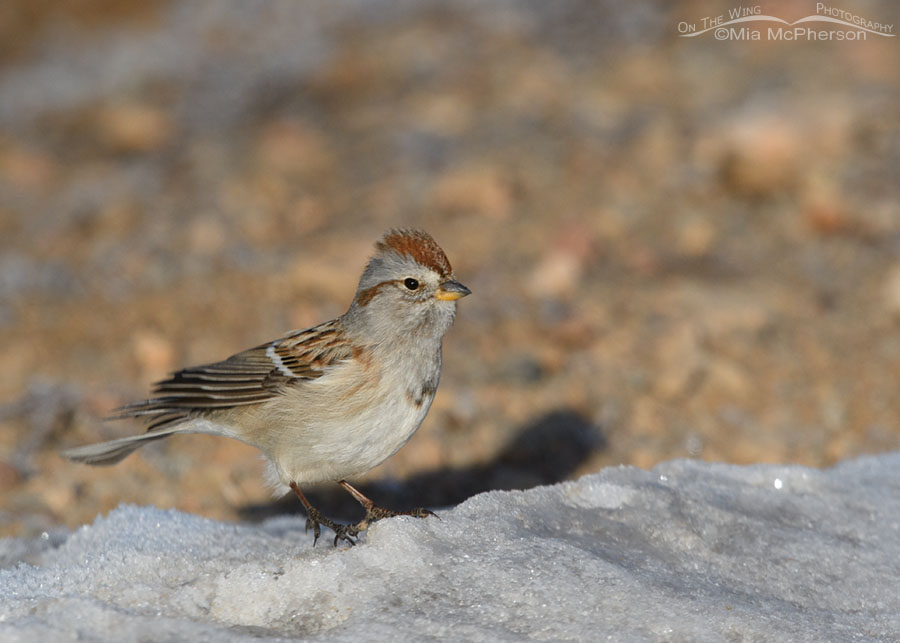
(408, 286)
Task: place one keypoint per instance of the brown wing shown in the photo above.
(252, 376)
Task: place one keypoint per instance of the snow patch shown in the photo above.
(688, 551)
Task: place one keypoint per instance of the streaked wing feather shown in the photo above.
(250, 377)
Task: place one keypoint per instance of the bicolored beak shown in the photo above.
(451, 291)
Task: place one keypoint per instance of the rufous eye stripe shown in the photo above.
(365, 296)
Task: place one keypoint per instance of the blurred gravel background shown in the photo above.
(678, 247)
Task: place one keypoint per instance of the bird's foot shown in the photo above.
(374, 512)
(315, 519)
(341, 532)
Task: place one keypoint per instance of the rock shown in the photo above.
(560, 271)
(696, 237)
(761, 155)
(154, 354)
(134, 128)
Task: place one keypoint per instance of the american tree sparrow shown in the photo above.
(329, 402)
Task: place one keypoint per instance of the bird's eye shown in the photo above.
(411, 283)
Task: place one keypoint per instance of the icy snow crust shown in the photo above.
(687, 552)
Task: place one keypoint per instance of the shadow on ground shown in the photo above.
(546, 451)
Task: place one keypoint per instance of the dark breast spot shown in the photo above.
(418, 396)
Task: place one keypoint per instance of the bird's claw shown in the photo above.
(347, 533)
(310, 522)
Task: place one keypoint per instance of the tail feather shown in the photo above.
(106, 453)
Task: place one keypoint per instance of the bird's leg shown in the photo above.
(374, 512)
(315, 518)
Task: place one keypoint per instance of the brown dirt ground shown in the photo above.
(677, 247)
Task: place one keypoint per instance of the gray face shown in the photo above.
(396, 298)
